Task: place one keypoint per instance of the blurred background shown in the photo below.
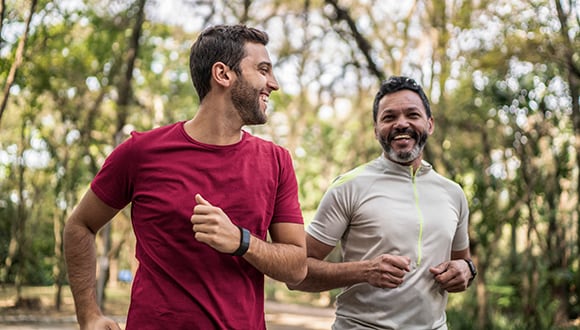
(503, 77)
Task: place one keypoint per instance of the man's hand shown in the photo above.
(101, 323)
(453, 275)
(213, 227)
(387, 271)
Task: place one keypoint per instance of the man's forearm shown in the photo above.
(282, 262)
(324, 275)
(80, 255)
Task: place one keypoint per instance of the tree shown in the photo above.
(123, 102)
(18, 58)
(569, 18)
(18, 233)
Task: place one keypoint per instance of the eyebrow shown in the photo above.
(267, 63)
(409, 108)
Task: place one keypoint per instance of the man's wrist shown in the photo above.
(472, 269)
(244, 242)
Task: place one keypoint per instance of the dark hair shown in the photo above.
(220, 43)
(396, 83)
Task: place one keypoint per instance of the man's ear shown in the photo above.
(222, 74)
(431, 123)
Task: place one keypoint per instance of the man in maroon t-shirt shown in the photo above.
(204, 195)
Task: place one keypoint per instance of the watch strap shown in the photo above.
(244, 242)
(472, 268)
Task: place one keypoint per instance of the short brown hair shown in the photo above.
(220, 43)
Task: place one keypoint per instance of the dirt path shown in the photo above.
(278, 317)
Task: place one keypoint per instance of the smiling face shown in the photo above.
(251, 90)
(402, 127)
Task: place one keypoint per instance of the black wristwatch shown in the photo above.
(244, 242)
(472, 269)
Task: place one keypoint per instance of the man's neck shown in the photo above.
(415, 163)
(210, 127)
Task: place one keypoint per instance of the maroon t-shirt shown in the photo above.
(182, 283)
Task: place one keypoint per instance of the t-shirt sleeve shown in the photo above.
(113, 183)
(461, 239)
(287, 206)
(332, 216)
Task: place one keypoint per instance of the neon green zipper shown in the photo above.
(420, 214)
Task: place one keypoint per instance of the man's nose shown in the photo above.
(401, 122)
(273, 83)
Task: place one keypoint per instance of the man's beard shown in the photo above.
(246, 100)
(404, 157)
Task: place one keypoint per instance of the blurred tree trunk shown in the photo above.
(125, 97)
(58, 268)
(571, 58)
(15, 260)
(441, 19)
(18, 57)
(2, 15)
(69, 159)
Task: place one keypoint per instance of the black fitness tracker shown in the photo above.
(244, 242)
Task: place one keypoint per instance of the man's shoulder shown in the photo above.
(446, 183)
(156, 131)
(444, 179)
(263, 143)
(356, 176)
(157, 137)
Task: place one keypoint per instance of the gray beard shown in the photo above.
(404, 157)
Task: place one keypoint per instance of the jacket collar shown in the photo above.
(391, 167)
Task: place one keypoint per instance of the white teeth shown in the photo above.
(402, 137)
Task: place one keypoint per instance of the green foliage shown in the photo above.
(37, 256)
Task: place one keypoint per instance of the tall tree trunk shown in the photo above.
(2, 14)
(18, 234)
(18, 58)
(125, 95)
(573, 72)
(59, 274)
(245, 13)
(556, 245)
